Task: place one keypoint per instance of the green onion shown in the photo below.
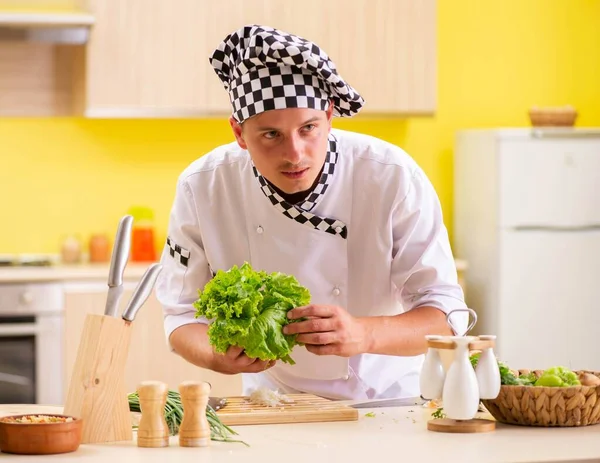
(174, 416)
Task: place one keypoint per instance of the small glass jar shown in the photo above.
(99, 248)
(143, 248)
(70, 250)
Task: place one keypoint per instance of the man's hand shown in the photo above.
(329, 330)
(191, 342)
(235, 361)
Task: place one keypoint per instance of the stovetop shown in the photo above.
(27, 260)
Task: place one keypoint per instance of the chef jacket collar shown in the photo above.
(301, 212)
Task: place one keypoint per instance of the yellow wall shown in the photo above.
(496, 59)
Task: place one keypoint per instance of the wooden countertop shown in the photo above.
(393, 434)
(87, 272)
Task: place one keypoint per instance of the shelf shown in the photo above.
(50, 27)
(22, 19)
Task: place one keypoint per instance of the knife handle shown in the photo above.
(120, 254)
(142, 291)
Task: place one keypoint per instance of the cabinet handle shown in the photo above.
(557, 228)
(14, 379)
(565, 133)
(19, 329)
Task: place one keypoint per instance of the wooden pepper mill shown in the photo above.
(153, 430)
(194, 430)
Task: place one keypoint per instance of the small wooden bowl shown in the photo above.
(39, 438)
(553, 117)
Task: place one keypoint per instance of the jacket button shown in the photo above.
(347, 377)
(259, 230)
(338, 229)
(336, 291)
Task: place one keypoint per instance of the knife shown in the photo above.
(217, 403)
(141, 292)
(120, 256)
(380, 403)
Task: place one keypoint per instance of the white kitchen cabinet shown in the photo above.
(149, 357)
(527, 220)
(549, 312)
(549, 181)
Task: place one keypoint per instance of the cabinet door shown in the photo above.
(384, 48)
(144, 59)
(548, 303)
(149, 358)
(550, 182)
(37, 76)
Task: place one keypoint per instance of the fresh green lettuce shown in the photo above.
(248, 308)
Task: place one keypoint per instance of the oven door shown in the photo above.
(31, 365)
(18, 360)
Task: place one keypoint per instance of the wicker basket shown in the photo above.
(547, 406)
(553, 117)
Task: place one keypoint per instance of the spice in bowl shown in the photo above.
(30, 419)
(40, 434)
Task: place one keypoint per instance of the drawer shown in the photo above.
(549, 182)
(30, 298)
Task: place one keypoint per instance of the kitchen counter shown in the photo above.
(86, 272)
(81, 272)
(393, 434)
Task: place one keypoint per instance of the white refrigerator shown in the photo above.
(527, 220)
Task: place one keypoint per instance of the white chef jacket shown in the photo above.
(385, 251)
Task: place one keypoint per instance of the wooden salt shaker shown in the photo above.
(194, 430)
(153, 430)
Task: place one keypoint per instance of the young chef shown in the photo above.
(352, 217)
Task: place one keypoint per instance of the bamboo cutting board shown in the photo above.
(306, 408)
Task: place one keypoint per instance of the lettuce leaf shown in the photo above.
(248, 309)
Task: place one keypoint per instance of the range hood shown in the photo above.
(56, 27)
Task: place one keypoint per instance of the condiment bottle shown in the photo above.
(70, 250)
(432, 375)
(194, 430)
(461, 390)
(487, 371)
(99, 248)
(142, 235)
(153, 430)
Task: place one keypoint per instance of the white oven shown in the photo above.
(31, 343)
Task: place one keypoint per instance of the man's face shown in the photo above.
(287, 146)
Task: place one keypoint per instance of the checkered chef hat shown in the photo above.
(263, 68)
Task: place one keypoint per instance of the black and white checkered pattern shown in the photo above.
(264, 68)
(301, 213)
(178, 253)
(325, 178)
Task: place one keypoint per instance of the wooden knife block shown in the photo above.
(97, 390)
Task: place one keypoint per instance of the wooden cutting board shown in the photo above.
(306, 408)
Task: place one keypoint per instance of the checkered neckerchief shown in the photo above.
(300, 213)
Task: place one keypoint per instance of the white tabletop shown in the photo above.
(394, 434)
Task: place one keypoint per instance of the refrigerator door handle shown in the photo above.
(557, 228)
(565, 133)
